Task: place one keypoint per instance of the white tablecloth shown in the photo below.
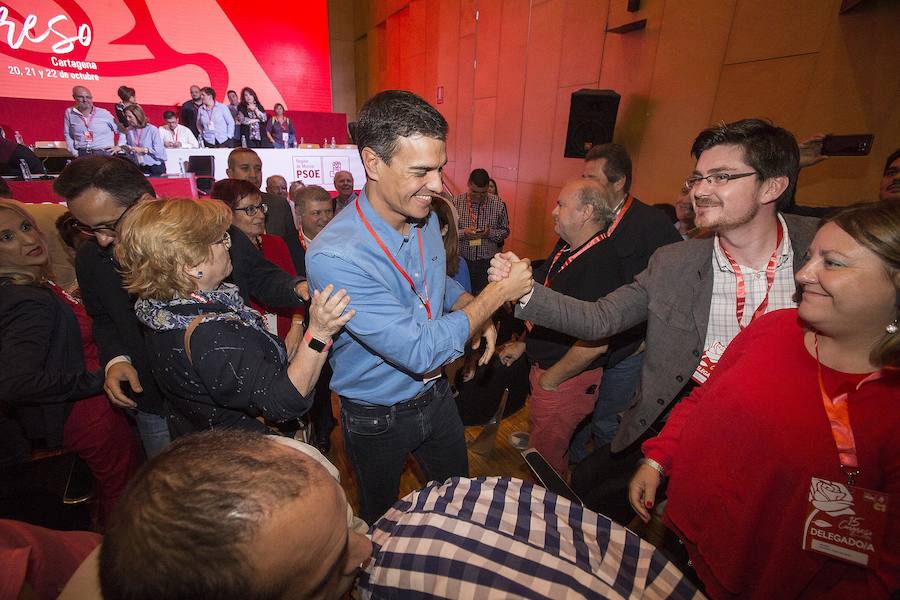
(313, 167)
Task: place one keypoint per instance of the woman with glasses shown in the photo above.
(249, 215)
(51, 381)
(211, 354)
(144, 145)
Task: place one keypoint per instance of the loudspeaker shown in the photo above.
(592, 120)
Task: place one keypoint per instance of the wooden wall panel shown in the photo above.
(584, 23)
(541, 81)
(682, 91)
(483, 133)
(466, 102)
(487, 49)
(765, 29)
(510, 88)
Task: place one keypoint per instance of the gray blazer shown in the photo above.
(673, 295)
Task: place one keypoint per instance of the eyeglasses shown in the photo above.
(225, 241)
(716, 179)
(255, 208)
(105, 230)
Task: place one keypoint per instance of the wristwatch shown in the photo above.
(317, 345)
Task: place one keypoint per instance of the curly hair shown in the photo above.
(159, 238)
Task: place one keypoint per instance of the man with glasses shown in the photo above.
(244, 163)
(483, 226)
(99, 192)
(695, 295)
(88, 129)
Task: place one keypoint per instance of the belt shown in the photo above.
(421, 400)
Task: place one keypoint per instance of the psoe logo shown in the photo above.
(308, 170)
(31, 31)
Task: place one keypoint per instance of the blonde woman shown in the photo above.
(210, 353)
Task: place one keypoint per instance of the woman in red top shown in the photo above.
(51, 382)
(742, 450)
(249, 213)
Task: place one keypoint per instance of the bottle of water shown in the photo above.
(301, 139)
(19, 139)
(333, 145)
(26, 170)
(325, 143)
(243, 141)
(202, 143)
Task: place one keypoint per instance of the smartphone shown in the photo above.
(847, 145)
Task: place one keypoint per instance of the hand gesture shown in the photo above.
(500, 266)
(811, 150)
(510, 352)
(642, 490)
(118, 374)
(326, 312)
(518, 281)
(489, 333)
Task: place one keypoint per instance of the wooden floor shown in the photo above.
(504, 460)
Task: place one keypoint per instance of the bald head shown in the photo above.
(594, 194)
(583, 208)
(343, 184)
(84, 100)
(277, 186)
(191, 527)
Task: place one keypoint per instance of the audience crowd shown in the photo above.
(731, 368)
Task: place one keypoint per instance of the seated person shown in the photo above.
(249, 215)
(51, 383)
(756, 436)
(11, 155)
(211, 354)
(143, 145)
(268, 520)
(175, 135)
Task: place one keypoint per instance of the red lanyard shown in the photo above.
(425, 301)
(138, 136)
(472, 212)
(838, 414)
(584, 248)
(87, 122)
(741, 287)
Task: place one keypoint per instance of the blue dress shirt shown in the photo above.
(102, 125)
(215, 124)
(380, 357)
(148, 137)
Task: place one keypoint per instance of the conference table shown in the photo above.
(312, 166)
(38, 191)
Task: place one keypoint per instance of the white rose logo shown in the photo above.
(831, 498)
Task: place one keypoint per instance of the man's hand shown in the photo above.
(518, 281)
(642, 490)
(117, 374)
(293, 338)
(548, 381)
(302, 289)
(489, 333)
(811, 151)
(501, 265)
(510, 352)
(469, 233)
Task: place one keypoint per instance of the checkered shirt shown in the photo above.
(723, 325)
(504, 538)
(490, 212)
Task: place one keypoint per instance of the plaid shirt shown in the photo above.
(504, 538)
(723, 325)
(490, 212)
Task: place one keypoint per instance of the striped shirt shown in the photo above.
(489, 213)
(505, 538)
(723, 326)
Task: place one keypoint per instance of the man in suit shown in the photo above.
(695, 295)
(99, 191)
(244, 163)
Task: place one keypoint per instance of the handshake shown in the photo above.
(512, 274)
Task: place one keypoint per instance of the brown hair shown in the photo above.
(138, 113)
(451, 241)
(14, 273)
(876, 226)
(232, 191)
(185, 524)
(310, 193)
(159, 238)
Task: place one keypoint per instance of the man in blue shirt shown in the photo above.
(386, 250)
(214, 120)
(88, 129)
